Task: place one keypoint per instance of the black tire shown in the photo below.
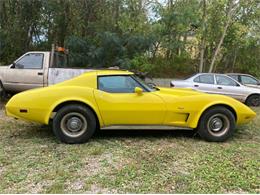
(74, 124)
(2, 92)
(253, 100)
(217, 124)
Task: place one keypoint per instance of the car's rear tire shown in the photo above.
(74, 124)
(253, 100)
(217, 124)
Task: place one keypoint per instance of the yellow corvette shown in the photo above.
(97, 99)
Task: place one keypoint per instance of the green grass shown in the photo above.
(33, 161)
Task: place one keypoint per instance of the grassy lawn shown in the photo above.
(33, 161)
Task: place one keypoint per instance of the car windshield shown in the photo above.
(187, 77)
(144, 84)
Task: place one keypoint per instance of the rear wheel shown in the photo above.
(74, 124)
(217, 124)
(253, 100)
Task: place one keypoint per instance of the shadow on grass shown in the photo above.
(45, 132)
(40, 133)
(152, 133)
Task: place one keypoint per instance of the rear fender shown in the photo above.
(74, 99)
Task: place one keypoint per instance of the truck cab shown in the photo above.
(37, 69)
(27, 72)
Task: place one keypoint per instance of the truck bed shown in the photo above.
(57, 75)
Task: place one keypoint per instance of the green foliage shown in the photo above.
(164, 35)
(106, 49)
(141, 64)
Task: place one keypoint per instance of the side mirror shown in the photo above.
(12, 65)
(138, 90)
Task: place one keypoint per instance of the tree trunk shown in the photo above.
(234, 61)
(203, 38)
(156, 47)
(231, 9)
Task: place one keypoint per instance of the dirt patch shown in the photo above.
(2, 169)
(35, 188)
(76, 185)
(96, 189)
(92, 167)
(3, 116)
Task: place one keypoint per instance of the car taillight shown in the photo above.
(172, 85)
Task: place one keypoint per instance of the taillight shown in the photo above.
(172, 85)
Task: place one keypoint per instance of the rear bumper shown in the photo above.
(36, 115)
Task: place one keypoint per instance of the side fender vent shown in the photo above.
(23, 110)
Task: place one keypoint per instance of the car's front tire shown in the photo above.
(217, 124)
(253, 100)
(2, 92)
(74, 124)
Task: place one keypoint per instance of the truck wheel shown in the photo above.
(2, 92)
(253, 100)
(74, 124)
(217, 124)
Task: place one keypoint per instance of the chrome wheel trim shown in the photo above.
(73, 124)
(218, 124)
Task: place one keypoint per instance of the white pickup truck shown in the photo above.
(36, 69)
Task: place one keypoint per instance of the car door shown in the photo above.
(249, 81)
(229, 87)
(120, 105)
(204, 83)
(25, 73)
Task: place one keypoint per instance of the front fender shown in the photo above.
(243, 113)
(195, 119)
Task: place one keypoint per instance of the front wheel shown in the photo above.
(253, 100)
(74, 124)
(217, 124)
(2, 92)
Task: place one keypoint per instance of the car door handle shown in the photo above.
(40, 73)
(220, 88)
(196, 85)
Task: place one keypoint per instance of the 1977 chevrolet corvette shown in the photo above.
(97, 99)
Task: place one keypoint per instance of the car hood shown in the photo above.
(251, 89)
(179, 81)
(179, 91)
(253, 86)
(4, 67)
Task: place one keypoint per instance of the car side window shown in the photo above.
(224, 80)
(118, 84)
(248, 80)
(207, 79)
(234, 77)
(30, 61)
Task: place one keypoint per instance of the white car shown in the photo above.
(220, 84)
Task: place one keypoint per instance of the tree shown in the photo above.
(230, 12)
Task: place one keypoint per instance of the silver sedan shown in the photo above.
(220, 84)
